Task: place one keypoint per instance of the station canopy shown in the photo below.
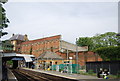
(48, 55)
(15, 56)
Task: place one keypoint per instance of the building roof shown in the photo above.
(50, 55)
(17, 37)
(15, 56)
(69, 46)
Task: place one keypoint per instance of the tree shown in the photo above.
(106, 40)
(3, 19)
(109, 53)
(7, 46)
(85, 41)
(100, 40)
(107, 45)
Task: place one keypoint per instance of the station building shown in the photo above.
(53, 44)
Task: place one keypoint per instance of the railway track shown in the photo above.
(27, 75)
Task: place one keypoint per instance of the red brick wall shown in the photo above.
(40, 45)
(82, 57)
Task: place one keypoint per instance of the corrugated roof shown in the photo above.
(17, 37)
(66, 45)
(50, 55)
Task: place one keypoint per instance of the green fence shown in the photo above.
(69, 68)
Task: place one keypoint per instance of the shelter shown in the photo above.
(18, 59)
(48, 55)
(15, 56)
(48, 58)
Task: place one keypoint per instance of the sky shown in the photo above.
(69, 19)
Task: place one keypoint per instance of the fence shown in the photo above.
(112, 66)
(69, 67)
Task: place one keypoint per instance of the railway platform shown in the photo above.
(11, 76)
(68, 76)
(65, 75)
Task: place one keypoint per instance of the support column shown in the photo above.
(77, 57)
(67, 54)
(1, 60)
(15, 64)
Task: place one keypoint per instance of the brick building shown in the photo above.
(18, 39)
(58, 46)
(37, 47)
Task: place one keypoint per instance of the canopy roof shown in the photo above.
(15, 56)
(50, 55)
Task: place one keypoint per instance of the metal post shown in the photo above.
(52, 64)
(1, 60)
(37, 64)
(67, 60)
(28, 64)
(76, 56)
(67, 54)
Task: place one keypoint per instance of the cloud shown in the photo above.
(68, 19)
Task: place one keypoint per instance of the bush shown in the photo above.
(118, 74)
(90, 72)
(109, 53)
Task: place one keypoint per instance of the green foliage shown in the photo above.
(118, 74)
(7, 46)
(85, 41)
(3, 21)
(109, 53)
(107, 45)
(100, 40)
(90, 72)
(10, 62)
(106, 40)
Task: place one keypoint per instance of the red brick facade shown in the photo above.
(37, 47)
(82, 57)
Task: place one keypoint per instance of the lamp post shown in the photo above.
(76, 56)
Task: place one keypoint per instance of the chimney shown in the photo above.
(25, 37)
(13, 34)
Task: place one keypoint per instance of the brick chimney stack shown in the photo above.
(13, 34)
(25, 37)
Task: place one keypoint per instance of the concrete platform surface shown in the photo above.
(11, 76)
(66, 75)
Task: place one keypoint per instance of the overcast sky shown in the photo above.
(69, 19)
